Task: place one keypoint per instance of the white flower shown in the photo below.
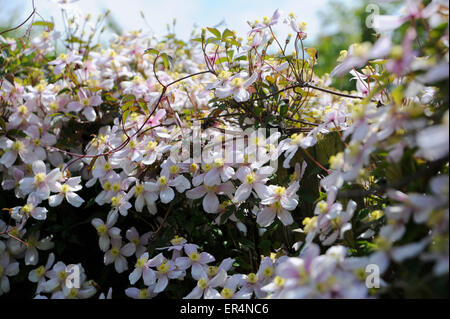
(67, 190)
(117, 254)
(42, 183)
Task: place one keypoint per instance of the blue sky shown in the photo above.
(187, 12)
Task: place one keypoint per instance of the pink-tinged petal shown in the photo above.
(243, 192)
(226, 188)
(161, 284)
(224, 92)
(114, 232)
(33, 276)
(167, 195)
(97, 222)
(206, 258)
(288, 203)
(120, 264)
(149, 277)
(190, 248)
(198, 272)
(196, 293)
(131, 234)
(103, 242)
(95, 100)
(265, 217)
(132, 292)
(226, 264)
(197, 180)
(12, 269)
(285, 217)
(89, 113)
(196, 193)
(261, 189)
(383, 23)
(211, 203)
(128, 250)
(151, 187)
(227, 173)
(108, 258)
(74, 106)
(4, 284)
(156, 261)
(242, 172)
(39, 213)
(135, 275)
(212, 294)
(55, 200)
(8, 158)
(241, 95)
(219, 279)
(39, 167)
(408, 251)
(139, 203)
(183, 263)
(212, 177)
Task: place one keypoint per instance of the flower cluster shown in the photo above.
(170, 138)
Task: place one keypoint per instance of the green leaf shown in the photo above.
(283, 109)
(127, 105)
(16, 133)
(2, 124)
(227, 34)
(215, 32)
(75, 39)
(168, 60)
(47, 24)
(125, 115)
(151, 51)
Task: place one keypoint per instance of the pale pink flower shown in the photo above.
(210, 201)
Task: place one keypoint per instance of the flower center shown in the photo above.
(115, 201)
(22, 109)
(268, 271)
(163, 268)
(143, 293)
(115, 251)
(174, 169)
(219, 162)
(139, 190)
(250, 178)
(39, 178)
(280, 190)
(194, 256)
(163, 181)
(279, 281)
(227, 293)
(65, 188)
(102, 229)
(62, 275)
(151, 145)
(193, 168)
(40, 271)
(18, 146)
(28, 208)
(140, 263)
(203, 283)
(212, 271)
(237, 82)
(252, 278)
(177, 240)
(323, 207)
(296, 138)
